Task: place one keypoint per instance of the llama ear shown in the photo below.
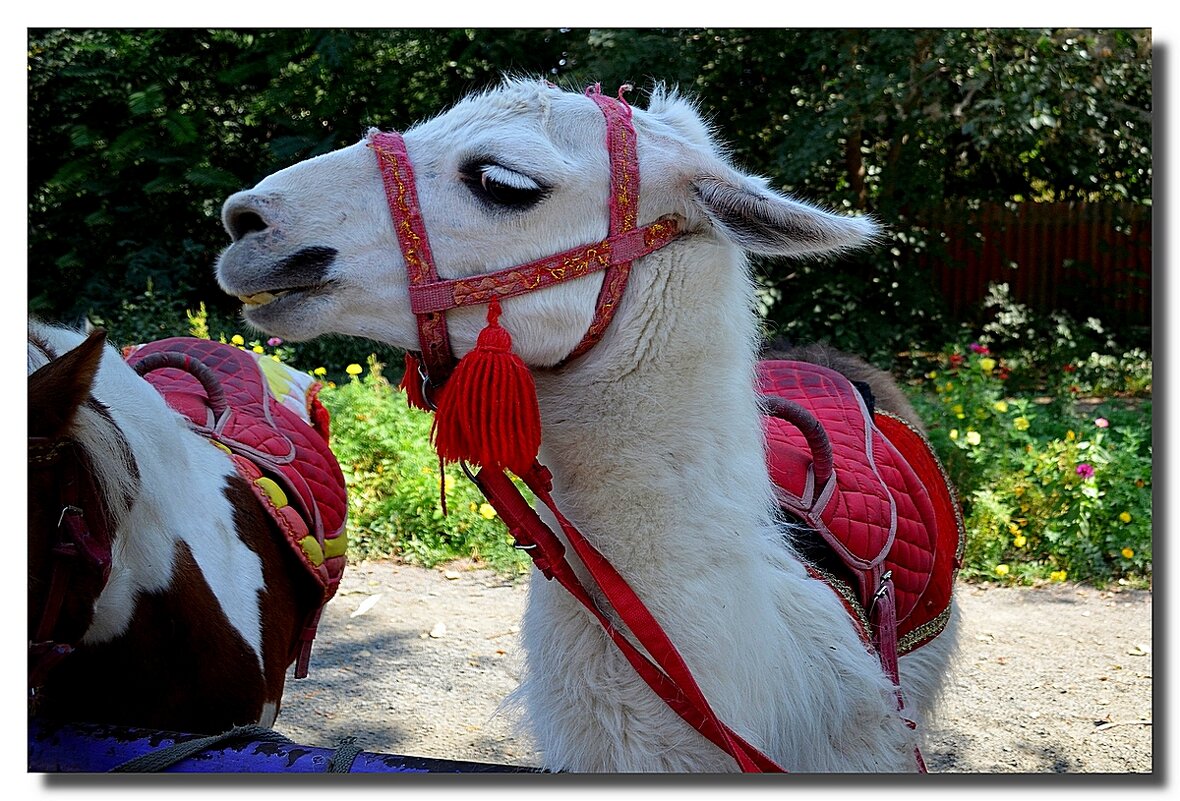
(765, 222)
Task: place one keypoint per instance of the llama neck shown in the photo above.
(655, 442)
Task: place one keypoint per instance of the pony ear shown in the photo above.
(57, 389)
(762, 221)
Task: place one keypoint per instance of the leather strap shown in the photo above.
(402, 196)
(431, 297)
(609, 254)
(624, 209)
(80, 545)
(664, 671)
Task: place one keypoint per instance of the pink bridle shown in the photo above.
(431, 297)
(657, 661)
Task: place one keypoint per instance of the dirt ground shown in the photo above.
(418, 662)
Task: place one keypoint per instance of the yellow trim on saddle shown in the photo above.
(273, 491)
(312, 550)
(337, 546)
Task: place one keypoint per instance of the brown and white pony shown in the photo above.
(159, 596)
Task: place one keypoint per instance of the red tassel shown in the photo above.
(321, 419)
(487, 411)
(411, 384)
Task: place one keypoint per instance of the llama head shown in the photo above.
(505, 177)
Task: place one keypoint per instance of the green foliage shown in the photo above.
(1052, 489)
(1056, 351)
(136, 136)
(392, 473)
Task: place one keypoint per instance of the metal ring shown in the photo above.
(68, 508)
(425, 388)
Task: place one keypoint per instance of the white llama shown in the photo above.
(653, 436)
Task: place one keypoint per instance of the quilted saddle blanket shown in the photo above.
(872, 489)
(268, 417)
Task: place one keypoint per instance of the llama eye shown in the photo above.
(504, 187)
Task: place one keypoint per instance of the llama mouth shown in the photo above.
(302, 273)
(263, 298)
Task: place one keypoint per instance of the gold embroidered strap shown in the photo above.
(575, 263)
(402, 196)
(624, 208)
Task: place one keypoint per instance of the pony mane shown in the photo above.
(93, 428)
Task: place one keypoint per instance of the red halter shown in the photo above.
(661, 666)
(431, 297)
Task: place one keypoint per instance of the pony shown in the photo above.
(159, 595)
(651, 428)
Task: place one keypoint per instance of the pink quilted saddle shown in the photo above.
(267, 416)
(872, 489)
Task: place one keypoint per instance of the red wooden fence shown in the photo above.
(1089, 259)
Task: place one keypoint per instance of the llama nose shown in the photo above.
(244, 213)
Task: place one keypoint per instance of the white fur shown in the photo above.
(181, 498)
(653, 437)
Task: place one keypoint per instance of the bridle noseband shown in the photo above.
(431, 297)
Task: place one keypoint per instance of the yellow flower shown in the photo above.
(1057, 575)
(1018, 491)
(1069, 435)
(1019, 540)
(353, 369)
(987, 364)
(320, 371)
(1127, 553)
(950, 385)
(258, 349)
(957, 409)
(449, 483)
(237, 339)
(954, 433)
(487, 511)
(1000, 406)
(1125, 517)
(932, 374)
(973, 438)
(1001, 570)
(1013, 528)
(1020, 424)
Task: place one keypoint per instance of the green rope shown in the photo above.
(163, 758)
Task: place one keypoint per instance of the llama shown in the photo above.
(653, 435)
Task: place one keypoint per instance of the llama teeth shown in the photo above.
(257, 299)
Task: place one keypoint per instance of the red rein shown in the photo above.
(487, 410)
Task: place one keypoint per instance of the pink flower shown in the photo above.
(274, 342)
(977, 348)
(1102, 422)
(1085, 470)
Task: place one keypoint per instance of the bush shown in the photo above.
(1052, 489)
(392, 472)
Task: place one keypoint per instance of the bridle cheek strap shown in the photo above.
(431, 297)
(398, 178)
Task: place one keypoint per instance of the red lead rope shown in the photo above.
(664, 671)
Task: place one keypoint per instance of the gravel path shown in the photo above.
(418, 662)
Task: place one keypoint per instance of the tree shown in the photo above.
(137, 136)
